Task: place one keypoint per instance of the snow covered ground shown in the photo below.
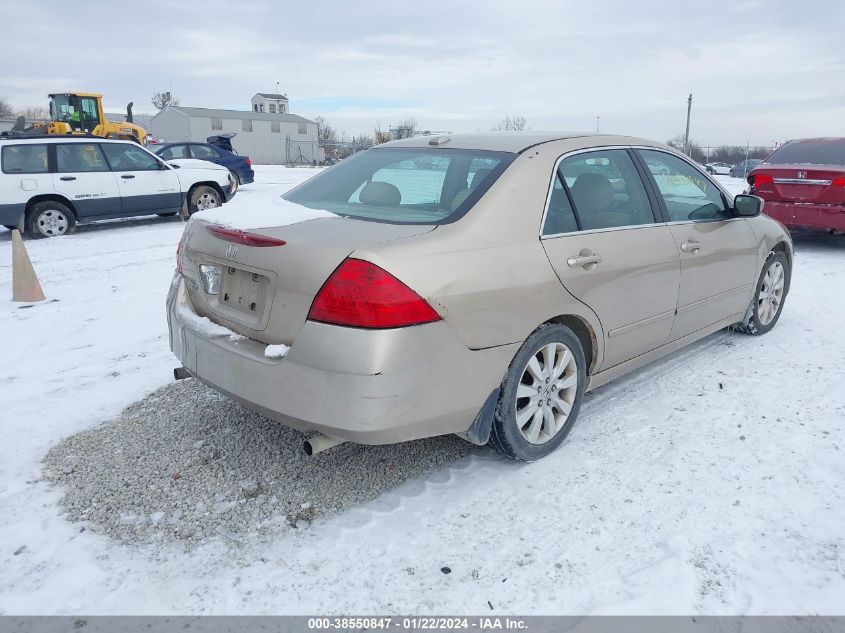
(709, 482)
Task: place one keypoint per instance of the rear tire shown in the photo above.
(49, 218)
(540, 395)
(769, 296)
(203, 197)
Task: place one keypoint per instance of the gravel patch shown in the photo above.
(188, 464)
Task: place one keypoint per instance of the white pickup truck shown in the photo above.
(48, 184)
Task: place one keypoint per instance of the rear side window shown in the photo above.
(560, 218)
(606, 190)
(80, 157)
(25, 159)
(687, 194)
(177, 151)
(820, 152)
(404, 185)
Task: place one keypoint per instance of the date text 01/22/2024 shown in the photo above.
(414, 624)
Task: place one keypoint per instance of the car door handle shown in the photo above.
(127, 176)
(584, 261)
(691, 247)
(68, 178)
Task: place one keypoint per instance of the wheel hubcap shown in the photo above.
(546, 393)
(52, 223)
(771, 293)
(207, 201)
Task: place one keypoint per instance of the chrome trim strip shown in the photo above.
(800, 181)
(599, 148)
(648, 321)
(721, 295)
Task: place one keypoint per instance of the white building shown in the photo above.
(270, 103)
(267, 138)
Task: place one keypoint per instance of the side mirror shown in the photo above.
(746, 206)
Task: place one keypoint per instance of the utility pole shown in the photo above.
(598, 119)
(686, 134)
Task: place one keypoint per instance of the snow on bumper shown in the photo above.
(367, 386)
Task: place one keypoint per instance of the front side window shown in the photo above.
(203, 151)
(129, 157)
(606, 190)
(687, 193)
(403, 186)
(79, 157)
(24, 159)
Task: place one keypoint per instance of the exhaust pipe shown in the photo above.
(180, 373)
(320, 443)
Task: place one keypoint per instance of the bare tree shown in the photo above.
(34, 113)
(163, 99)
(693, 149)
(5, 108)
(406, 129)
(379, 135)
(511, 124)
(325, 132)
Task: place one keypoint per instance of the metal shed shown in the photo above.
(268, 139)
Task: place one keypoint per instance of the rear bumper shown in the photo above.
(11, 214)
(247, 176)
(367, 386)
(798, 215)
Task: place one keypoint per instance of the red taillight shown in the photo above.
(838, 182)
(360, 294)
(242, 237)
(762, 179)
(248, 162)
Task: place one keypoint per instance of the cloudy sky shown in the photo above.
(759, 70)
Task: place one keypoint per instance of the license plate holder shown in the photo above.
(241, 290)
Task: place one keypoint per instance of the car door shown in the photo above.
(608, 250)
(147, 184)
(173, 151)
(205, 152)
(718, 249)
(83, 176)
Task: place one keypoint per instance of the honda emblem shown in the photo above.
(802, 174)
(231, 251)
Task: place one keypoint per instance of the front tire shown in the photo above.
(49, 218)
(540, 395)
(202, 198)
(769, 296)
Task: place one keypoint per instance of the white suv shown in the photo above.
(49, 183)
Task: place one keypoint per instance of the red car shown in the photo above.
(803, 183)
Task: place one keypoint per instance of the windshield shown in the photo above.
(404, 185)
(821, 152)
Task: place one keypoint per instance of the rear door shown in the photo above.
(204, 152)
(83, 177)
(147, 185)
(610, 252)
(718, 250)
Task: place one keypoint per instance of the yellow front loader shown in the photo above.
(82, 113)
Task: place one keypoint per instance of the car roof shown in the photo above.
(54, 138)
(515, 142)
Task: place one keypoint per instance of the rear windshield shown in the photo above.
(404, 185)
(810, 153)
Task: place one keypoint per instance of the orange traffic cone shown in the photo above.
(25, 284)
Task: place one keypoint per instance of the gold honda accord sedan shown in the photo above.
(473, 284)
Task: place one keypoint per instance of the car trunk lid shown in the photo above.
(265, 292)
(812, 184)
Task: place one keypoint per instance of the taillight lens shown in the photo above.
(243, 237)
(761, 179)
(248, 162)
(838, 182)
(360, 294)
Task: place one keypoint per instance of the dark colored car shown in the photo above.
(741, 170)
(218, 150)
(803, 183)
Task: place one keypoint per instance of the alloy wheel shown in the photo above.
(52, 222)
(771, 293)
(546, 393)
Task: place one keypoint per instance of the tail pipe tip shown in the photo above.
(320, 443)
